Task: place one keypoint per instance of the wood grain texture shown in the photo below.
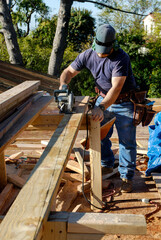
(31, 114)
(13, 96)
(3, 174)
(31, 208)
(106, 223)
(95, 165)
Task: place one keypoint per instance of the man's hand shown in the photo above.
(97, 114)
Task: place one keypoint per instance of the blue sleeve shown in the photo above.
(78, 63)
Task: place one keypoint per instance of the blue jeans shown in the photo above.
(127, 138)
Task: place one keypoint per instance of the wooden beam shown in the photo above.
(72, 177)
(30, 210)
(106, 223)
(28, 73)
(66, 196)
(79, 157)
(95, 165)
(75, 166)
(5, 194)
(84, 236)
(3, 174)
(51, 121)
(12, 119)
(13, 96)
(55, 231)
(99, 223)
(30, 115)
(16, 180)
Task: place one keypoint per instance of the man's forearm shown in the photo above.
(113, 93)
(65, 78)
(110, 97)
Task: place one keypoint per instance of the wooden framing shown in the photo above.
(29, 217)
(95, 160)
(18, 94)
(12, 97)
(91, 226)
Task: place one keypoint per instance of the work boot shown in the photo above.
(126, 186)
(106, 170)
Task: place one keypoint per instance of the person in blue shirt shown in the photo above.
(111, 69)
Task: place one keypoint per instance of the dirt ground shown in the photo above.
(143, 187)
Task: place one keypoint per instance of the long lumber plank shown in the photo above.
(95, 165)
(99, 223)
(30, 210)
(106, 223)
(30, 115)
(15, 95)
(3, 175)
(27, 72)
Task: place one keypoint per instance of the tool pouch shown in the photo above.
(142, 112)
(138, 113)
(148, 116)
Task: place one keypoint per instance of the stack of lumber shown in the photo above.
(18, 107)
(24, 157)
(12, 75)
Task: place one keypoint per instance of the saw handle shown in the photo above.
(63, 90)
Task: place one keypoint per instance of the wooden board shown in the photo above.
(3, 175)
(79, 157)
(66, 196)
(100, 223)
(31, 207)
(30, 115)
(13, 96)
(106, 223)
(95, 165)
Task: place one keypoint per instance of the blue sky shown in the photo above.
(54, 5)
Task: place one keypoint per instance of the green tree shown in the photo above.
(8, 31)
(153, 44)
(81, 28)
(36, 47)
(23, 10)
(45, 31)
(122, 20)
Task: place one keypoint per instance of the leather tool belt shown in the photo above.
(143, 112)
(123, 97)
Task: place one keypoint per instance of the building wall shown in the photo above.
(149, 24)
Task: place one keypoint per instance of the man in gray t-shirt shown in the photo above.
(111, 69)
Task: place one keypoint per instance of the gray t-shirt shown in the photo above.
(103, 69)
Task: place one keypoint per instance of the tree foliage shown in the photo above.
(23, 10)
(81, 28)
(126, 21)
(37, 46)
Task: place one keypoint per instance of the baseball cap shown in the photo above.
(105, 37)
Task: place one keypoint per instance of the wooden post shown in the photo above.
(55, 231)
(3, 175)
(95, 163)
